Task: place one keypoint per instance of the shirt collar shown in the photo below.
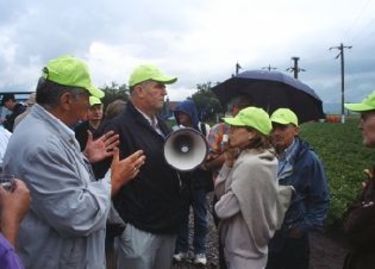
(66, 132)
(286, 153)
(149, 119)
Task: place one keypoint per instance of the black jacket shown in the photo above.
(9, 119)
(81, 133)
(152, 201)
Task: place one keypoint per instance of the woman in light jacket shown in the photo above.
(251, 204)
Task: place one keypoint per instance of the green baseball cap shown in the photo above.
(253, 117)
(94, 101)
(149, 72)
(284, 116)
(70, 71)
(367, 104)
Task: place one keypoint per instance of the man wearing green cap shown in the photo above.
(151, 204)
(360, 229)
(65, 226)
(300, 167)
(94, 118)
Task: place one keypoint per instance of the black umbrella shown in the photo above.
(272, 90)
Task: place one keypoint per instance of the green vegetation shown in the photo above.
(344, 156)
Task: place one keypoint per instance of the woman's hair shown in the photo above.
(259, 141)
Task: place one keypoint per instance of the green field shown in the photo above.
(340, 148)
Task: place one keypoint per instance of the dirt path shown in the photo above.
(328, 250)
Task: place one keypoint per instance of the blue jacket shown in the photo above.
(310, 202)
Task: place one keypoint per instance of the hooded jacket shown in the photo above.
(188, 107)
(198, 178)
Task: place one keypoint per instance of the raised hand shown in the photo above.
(101, 148)
(125, 170)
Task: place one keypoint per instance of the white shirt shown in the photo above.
(4, 138)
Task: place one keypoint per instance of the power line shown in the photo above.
(355, 21)
(363, 28)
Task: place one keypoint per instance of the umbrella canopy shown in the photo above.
(272, 90)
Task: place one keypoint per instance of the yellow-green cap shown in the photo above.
(367, 104)
(149, 72)
(94, 101)
(70, 71)
(284, 116)
(253, 117)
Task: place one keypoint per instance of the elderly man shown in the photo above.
(150, 204)
(361, 227)
(300, 167)
(65, 227)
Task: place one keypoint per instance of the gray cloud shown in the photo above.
(198, 40)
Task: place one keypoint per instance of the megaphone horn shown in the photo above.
(185, 149)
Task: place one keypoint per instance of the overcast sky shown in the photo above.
(196, 40)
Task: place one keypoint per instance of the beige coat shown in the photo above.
(252, 207)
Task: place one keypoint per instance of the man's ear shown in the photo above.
(251, 134)
(66, 100)
(139, 91)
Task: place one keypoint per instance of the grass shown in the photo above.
(344, 157)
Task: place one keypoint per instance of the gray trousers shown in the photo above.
(138, 249)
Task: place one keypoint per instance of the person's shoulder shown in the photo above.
(82, 126)
(307, 153)
(254, 158)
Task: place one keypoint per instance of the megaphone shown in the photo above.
(185, 149)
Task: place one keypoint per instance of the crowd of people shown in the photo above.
(93, 188)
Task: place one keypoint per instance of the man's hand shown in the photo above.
(101, 148)
(14, 206)
(125, 170)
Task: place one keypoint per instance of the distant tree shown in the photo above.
(207, 103)
(114, 92)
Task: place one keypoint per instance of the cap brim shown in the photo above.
(233, 121)
(165, 79)
(94, 101)
(280, 121)
(94, 91)
(358, 107)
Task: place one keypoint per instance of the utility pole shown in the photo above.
(295, 69)
(238, 67)
(341, 55)
(269, 68)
